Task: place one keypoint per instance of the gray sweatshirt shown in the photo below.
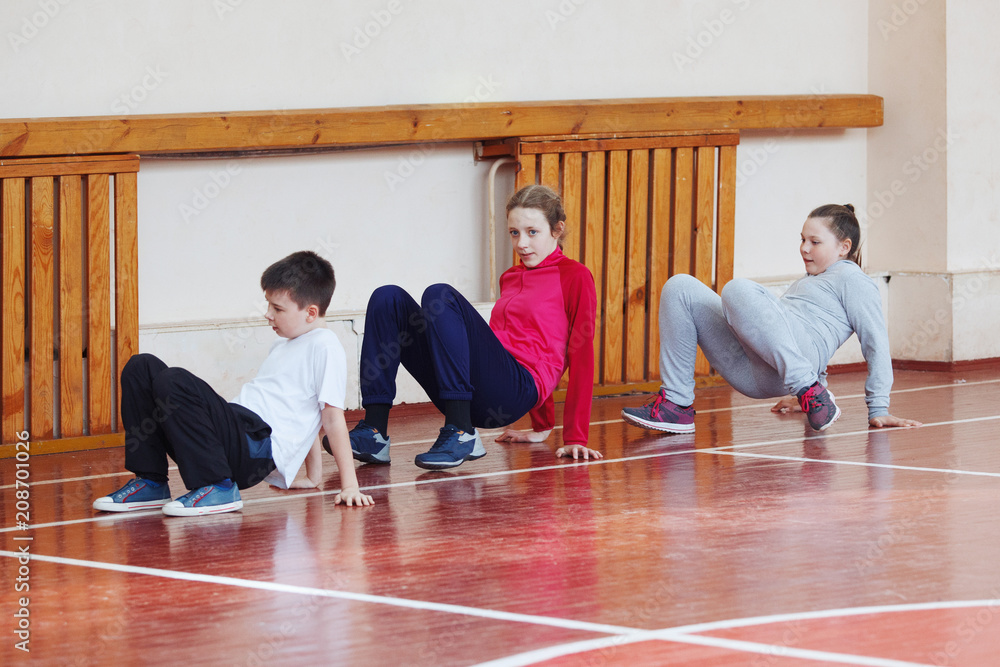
(836, 303)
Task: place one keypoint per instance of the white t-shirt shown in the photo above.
(298, 379)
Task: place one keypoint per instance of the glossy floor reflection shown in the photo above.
(754, 541)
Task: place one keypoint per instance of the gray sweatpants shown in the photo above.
(748, 336)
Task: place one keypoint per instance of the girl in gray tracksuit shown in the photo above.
(765, 346)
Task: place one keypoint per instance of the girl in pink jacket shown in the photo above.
(483, 375)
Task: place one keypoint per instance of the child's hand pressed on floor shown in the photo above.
(578, 452)
(514, 435)
(786, 404)
(352, 496)
(888, 421)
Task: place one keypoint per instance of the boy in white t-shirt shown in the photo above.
(267, 432)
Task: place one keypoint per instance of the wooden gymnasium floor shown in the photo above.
(753, 542)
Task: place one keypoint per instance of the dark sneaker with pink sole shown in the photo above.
(661, 414)
(818, 404)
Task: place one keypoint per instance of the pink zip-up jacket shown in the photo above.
(545, 318)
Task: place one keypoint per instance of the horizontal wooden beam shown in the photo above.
(61, 445)
(375, 126)
(584, 145)
(62, 166)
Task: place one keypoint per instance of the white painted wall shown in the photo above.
(129, 56)
(974, 177)
(907, 212)
(973, 167)
(208, 228)
(933, 173)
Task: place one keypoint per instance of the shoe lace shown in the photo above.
(444, 437)
(654, 405)
(810, 402)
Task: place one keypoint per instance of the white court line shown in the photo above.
(274, 587)
(494, 432)
(802, 459)
(608, 646)
(431, 440)
(833, 613)
(767, 403)
(109, 516)
(844, 434)
(721, 449)
(85, 478)
(685, 634)
(623, 635)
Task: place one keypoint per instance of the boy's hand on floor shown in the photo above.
(353, 497)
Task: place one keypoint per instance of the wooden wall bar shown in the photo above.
(640, 209)
(57, 176)
(268, 130)
(60, 339)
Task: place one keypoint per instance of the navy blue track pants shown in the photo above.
(448, 347)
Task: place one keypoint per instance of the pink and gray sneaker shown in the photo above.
(661, 414)
(817, 402)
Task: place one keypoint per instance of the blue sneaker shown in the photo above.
(451, 449)
(367, 444)
(211, 499)
(138, 494)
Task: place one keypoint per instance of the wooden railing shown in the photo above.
(643, 208)
(62, 344)
(62, 347)
(307, 129)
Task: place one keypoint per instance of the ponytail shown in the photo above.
(844, 225)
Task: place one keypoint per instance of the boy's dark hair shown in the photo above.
(305, 276)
